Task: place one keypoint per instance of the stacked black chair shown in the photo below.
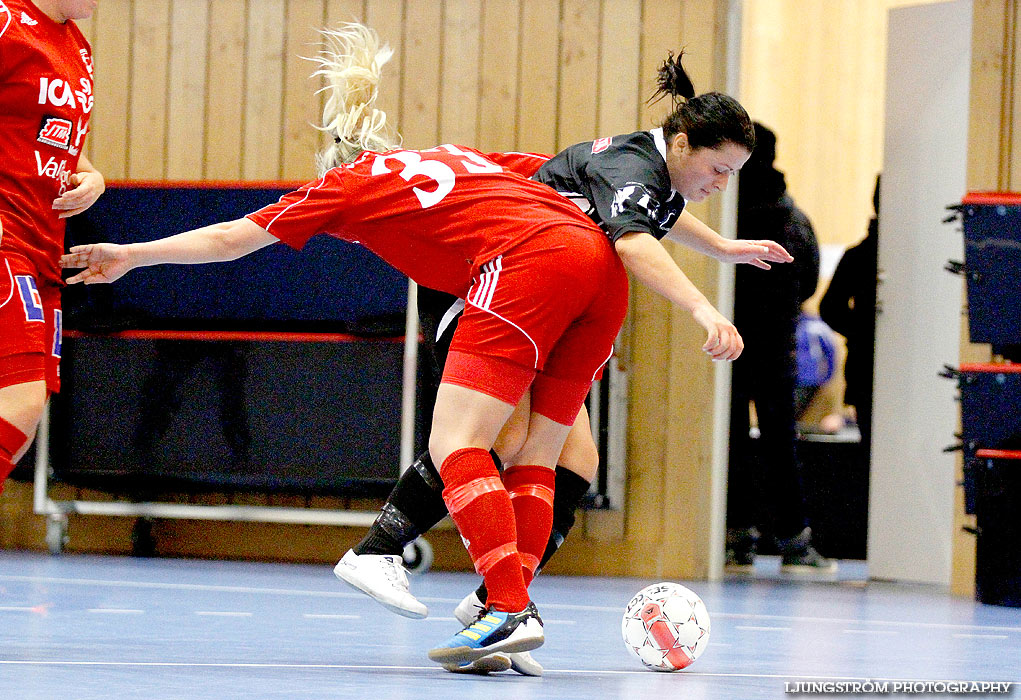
(991, 392)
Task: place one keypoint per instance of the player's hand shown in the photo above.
(757, 253)
(84, 189)
(723, 341)
(103, 262)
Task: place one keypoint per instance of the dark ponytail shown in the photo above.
(710, 120)
(673, 81)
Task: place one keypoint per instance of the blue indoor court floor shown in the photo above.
(89, 627)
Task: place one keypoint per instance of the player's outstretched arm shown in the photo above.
(651, 264)
(106, 262)
(689, 230)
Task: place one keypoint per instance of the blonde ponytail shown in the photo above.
(351, 62)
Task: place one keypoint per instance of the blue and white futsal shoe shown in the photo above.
(492, 631)
(521, 662)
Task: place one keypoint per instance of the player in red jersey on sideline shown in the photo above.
(45, 104)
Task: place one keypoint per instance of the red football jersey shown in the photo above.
(45, 102)
(432, 214)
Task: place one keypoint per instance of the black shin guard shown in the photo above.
(413, 507)
(568, 491)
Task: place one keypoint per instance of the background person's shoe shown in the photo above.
(381, 576)
(798, 556)
(742, 546)
(468, 609)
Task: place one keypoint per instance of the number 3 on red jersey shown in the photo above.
(437, 171)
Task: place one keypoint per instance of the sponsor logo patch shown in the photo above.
(55, 131)
(25, 19)
(600, 145)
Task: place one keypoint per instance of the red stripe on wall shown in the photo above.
(236, 335)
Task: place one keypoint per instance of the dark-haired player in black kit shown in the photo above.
(635, 186)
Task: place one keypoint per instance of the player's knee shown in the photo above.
(22, 405)
(581, 457)
(510, 441)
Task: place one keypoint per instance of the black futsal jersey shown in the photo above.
(621, 182)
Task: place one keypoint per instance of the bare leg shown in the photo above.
(21, 405)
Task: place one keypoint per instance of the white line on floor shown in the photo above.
(322, 616)
(884, 632)
(116, 611)
(223, 613)
(594, 608)
(544, 620)
(366, 667)
(762, 629)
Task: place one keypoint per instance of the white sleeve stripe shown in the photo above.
(10, 276)
(10, 18)
(528, 155)
(283, 211)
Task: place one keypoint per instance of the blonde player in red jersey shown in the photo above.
(546, 297)
(45, 104)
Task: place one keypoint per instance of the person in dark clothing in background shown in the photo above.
(768, 491)
(849, 308)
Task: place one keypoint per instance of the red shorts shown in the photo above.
(30, 326)
(542, 315)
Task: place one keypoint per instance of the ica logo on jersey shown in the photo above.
(59, 93)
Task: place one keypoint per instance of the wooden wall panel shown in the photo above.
(538, 81)
(344, 11)
(419, 119)
(387, 18)
(1011, 140)
(147, 115)
(498, 80)
(187, 89)
(691, 375)
(579, 72)
(225, 101)
(264, 79)
(301, 107)
(111, 50)
(661, 31)
(620, 40)
(459, 89)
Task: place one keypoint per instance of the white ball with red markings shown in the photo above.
(665, 626)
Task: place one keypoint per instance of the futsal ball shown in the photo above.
(665, 626)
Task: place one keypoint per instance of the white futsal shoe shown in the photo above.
(494, 663)
(382, 577)
(521, 662)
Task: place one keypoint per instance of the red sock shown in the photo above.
(11, 440)
(482, 511)
(531, 491)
